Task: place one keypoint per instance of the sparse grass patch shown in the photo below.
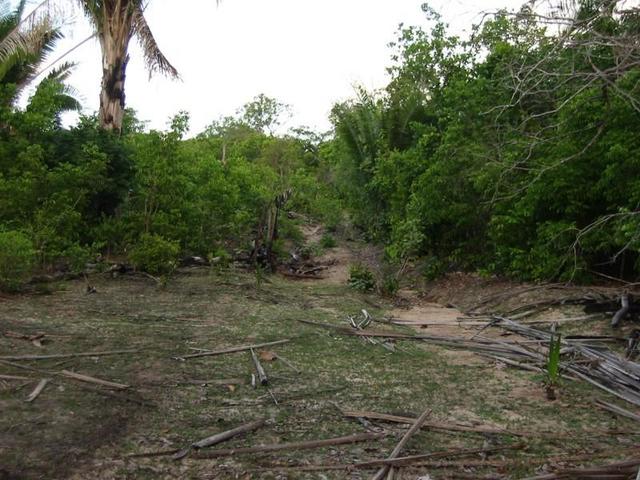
(209, 310)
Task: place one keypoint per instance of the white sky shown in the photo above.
(305, 53)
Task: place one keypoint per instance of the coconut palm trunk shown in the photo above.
(116, 22)
(114, 42)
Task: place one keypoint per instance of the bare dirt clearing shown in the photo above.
(78, 431)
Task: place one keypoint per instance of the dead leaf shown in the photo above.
(231, 388)
(267, 356)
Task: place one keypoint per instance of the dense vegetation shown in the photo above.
(515, 152)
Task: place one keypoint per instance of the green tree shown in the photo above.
(263, 113)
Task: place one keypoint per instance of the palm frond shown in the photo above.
(26, 35)
(32, 61)
(62, 71)
(154, 58)
(21, 45)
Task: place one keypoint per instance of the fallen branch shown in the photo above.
(382, 473)
(617, 410)
(410, 460)
(624, 309)
(224, 436)
(241, 348)
(13, 377)
(431, 425)
(620, 470)
(262, 375)
(86, 378)
(306, 445)
(223, 382)
(66, 355)
(100, 391)
(38, 390)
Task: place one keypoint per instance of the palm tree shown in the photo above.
(115, 23)
(25, 43)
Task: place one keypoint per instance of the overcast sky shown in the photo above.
(308, 54)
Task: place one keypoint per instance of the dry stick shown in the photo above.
(13, 377)
(433, 425)
(349, 467)
(241, 348)
(85, 387)
(617, 410)
(223, 381)
(97, 381)
(306, 445)
(287, 363)
(406, 461)
(396, 451)
(67, 355)
(162, 453)
(604, 471)
(210, 441)
(262, 375)
(224, 436)
(38, 390)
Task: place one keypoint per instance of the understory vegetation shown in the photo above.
(514, 152)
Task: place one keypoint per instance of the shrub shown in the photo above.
(327, 241)
(361, 278)
(17, 258)
(155, 255)
(389, 286)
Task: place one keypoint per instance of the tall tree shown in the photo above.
(116, 22)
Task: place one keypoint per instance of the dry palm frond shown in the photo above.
(153, 56)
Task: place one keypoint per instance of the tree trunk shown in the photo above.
(114, 41)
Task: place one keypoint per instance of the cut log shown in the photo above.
(242, 348)
(384, 471)
(224, 436)
(262, 375)
(307, 445)
(38, 390)
(86, 378)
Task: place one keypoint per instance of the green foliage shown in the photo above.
(17, 259)
(388, 285)
(553, 360)
(152, 196)
(361, 278)
(458, 163)
(263, 113)
(155, 255)
(328, 241)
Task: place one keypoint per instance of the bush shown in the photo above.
(361, 278)
(327, 241)
(155, 255)
(17, 258)
(389, 286)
